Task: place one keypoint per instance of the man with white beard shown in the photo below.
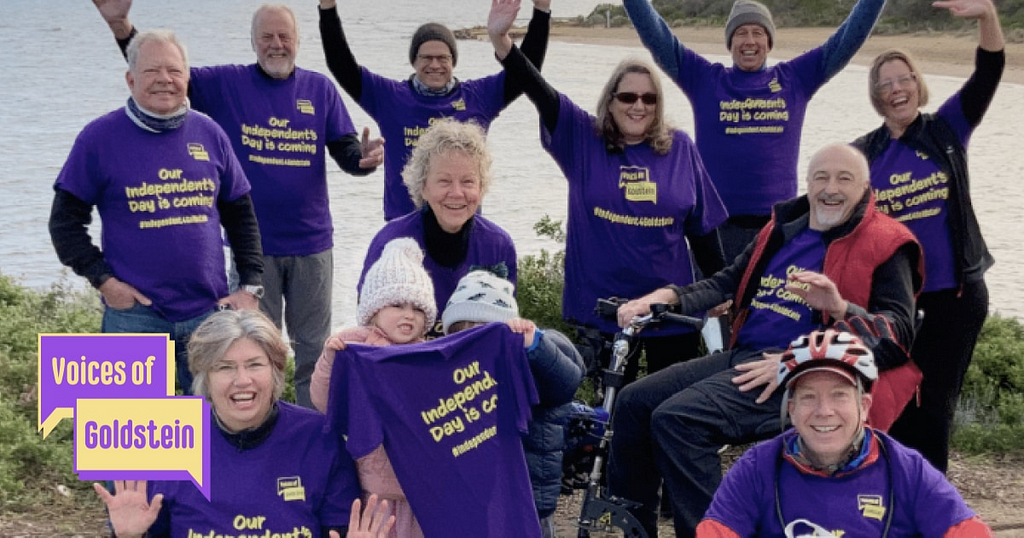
(826, 259)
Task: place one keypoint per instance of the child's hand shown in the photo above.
(333, 343)
(524, 327)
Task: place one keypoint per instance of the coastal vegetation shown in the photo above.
(36, 474)
(899, 16)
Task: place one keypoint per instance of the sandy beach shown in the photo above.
(938, 53)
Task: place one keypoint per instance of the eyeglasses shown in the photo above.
(628, 98)
(887, 85)
(443, 59)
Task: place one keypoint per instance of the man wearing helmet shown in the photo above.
(825, 259)
(831, 475)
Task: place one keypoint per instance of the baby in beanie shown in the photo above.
(396, 307)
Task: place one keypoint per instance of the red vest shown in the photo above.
(850, 262)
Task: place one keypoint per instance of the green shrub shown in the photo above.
(897, 16)
(542, 280)
(34, 470)
(990, 416)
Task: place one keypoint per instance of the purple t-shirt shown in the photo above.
(403, 115)
(748, 125)
(629, 215)
(912, 188)
(279, 129)
(857, 504)
(778, 316)
(489, 245)
(296, 481)
(450, 413)
(157, 196)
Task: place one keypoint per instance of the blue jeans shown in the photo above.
(670, 425)
(142, 319)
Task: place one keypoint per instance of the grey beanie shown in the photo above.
(749, 12)
(480, 297)
(433, 31)
(397, 277)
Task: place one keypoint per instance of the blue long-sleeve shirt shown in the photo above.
(748, 124)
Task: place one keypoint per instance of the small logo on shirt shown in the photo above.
(870, 506)
(774, 85)
(305, 106)
(922, 156)
(198, 152)
(290, 488)
(637, 183)
(459, 105)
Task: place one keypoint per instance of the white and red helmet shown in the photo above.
(831, 350)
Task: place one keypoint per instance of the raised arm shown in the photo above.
(517, 66)
(534, 46)
(340, 60)
(842, 45)
(990, 59)
(655, 35)
(990, 32)
(115, 13)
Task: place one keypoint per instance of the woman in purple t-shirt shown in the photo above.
(639, 197)
(919, 173)
(447, 176)
(237, 358)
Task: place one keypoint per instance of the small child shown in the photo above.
(396, 307)
(557, 367)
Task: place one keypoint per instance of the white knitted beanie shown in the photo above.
(397, 277)
(480, 297)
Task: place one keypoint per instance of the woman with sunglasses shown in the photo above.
(638, 192)
(919, 173)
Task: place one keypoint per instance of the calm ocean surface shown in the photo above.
(63, 69)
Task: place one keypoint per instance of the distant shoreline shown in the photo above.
(937, 53)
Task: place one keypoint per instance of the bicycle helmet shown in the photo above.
(830, 350)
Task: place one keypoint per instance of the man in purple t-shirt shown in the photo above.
(281, 121)
(164, 179)
(749, 116)
(405, 109)
(826, 259)
(831, 474)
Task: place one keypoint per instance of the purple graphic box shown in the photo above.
(100, 366)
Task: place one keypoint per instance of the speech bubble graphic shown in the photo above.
(73, 366)
(144, 439)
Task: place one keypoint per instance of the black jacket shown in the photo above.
(933, 136)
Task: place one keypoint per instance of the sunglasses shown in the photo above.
(628, 98)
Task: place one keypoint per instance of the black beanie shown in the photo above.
(433, 31)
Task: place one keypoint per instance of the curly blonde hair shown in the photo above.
(444, 136)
